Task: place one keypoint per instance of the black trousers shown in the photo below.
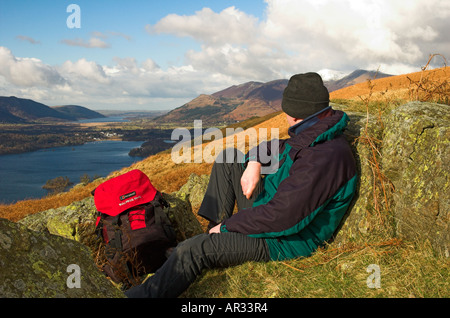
(206, 251)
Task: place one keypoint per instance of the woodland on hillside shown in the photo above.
(18, 138)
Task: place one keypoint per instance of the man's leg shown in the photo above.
(224, 188)
(195, 254)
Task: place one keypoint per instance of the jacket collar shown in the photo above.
(313, 130)
(306, 123)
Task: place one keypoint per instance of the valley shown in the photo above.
(20, 138)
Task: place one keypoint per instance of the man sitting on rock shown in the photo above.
(283, 215)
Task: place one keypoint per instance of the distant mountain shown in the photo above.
(240, 102)
(78, 112)
(235, 103)
(353, 78)
(331, 75)
(20, 110)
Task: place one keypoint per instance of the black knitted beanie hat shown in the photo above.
(304, 96)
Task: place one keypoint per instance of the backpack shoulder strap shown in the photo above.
(161, 218)
(159, 204)
(115, 242)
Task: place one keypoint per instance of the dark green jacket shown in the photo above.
(304, 201)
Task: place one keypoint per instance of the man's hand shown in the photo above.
(215, 229)
(250, 178)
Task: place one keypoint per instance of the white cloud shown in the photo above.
(83, 70)
(310, 35)
(108, 34)
(207, 26)
(27, 72)
(358, 33)
(97, 40)
(125, 84)
(149, 65)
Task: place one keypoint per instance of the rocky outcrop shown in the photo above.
(416, 159)
(75, 221)
(194, 189)
(360, 221)
(41, 265)
(180, 214)
(414, 167)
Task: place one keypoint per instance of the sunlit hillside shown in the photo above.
(414, 86)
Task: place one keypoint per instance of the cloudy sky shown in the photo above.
(153, 55)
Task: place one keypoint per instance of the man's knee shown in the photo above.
(192, 247)
(230, 155)
(195, 254)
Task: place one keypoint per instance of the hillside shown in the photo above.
(236, 103)
(413, 86)
(78, 112)
(20, 110)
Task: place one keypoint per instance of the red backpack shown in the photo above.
(135, 229)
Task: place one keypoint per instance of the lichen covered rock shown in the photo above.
(416, 158)
(413, 156)
(194, 189)
(41, 265)
(361, 221)
(75, 221)
(183, 220)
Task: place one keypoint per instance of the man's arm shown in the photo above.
(250, 178)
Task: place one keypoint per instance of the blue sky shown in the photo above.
(45, 21)
(160, 54)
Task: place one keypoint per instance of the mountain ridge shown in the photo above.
(243, 101)
(21, 110)
(355, 77)
(232, 104)
(78, 112)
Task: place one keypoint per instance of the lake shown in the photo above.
(23, 175)
(111, 119)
